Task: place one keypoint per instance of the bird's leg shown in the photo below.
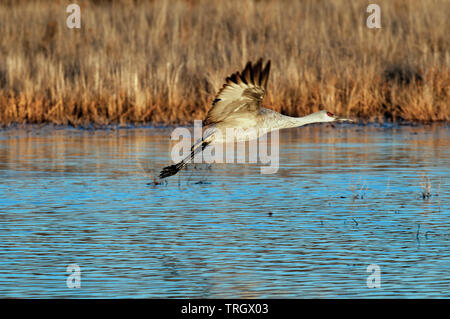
(175, 168)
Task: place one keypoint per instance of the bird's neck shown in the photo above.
(289, 121)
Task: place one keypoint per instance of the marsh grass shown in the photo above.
(162, 61)
(427, 189)
(358, 189)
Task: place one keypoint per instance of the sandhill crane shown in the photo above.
(238, 105)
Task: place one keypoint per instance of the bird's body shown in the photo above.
(252, 125)
(237, 107)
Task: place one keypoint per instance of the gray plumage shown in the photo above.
(238, 105)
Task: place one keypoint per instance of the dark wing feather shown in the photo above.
(242, 92)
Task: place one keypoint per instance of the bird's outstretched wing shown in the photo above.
(242, 92)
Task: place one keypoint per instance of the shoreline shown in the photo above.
(130, 126)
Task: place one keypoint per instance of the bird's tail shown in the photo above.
(175, 168)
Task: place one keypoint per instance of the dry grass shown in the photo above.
(162, 61)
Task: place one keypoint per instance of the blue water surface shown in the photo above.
(343, 198)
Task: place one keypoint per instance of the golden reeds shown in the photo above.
(162, 61)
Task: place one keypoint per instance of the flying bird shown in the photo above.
(237, 105)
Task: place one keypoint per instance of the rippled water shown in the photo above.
(344, 197)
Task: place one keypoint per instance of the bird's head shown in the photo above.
(326, 116)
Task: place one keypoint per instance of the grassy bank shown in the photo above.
(163, 61)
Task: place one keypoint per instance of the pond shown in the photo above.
(346, 199)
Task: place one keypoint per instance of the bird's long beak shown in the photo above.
(343, 119)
